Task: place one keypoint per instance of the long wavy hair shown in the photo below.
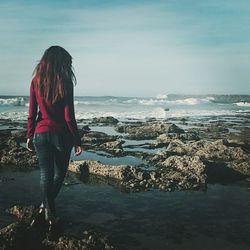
(53, 76)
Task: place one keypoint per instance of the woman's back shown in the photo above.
(51, 90)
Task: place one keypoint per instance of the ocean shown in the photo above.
(139, 108)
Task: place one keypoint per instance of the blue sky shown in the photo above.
(131, 47)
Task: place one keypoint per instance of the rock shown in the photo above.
(120, 172)
(175, 173)
(13, 154)
(167, 138)
(186, 170)
(126, 174)
(21, 212)
(106, 120)
(148, 130)
(101, 141)
(177, 147)
(217, 150)
(154, 175)
(95, 137)
(85, 128)
(19, 235)
(172, 128)
(91, 241)
(241, 167)
(113, 147)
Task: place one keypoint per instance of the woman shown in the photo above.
(53, 130)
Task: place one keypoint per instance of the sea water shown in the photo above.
(139, 108)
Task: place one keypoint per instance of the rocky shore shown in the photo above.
(177, 154)
(20, 235)
(174, 158)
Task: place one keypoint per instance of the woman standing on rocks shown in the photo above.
(53, 130)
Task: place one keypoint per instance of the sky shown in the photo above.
(130, 47)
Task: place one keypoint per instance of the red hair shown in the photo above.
(53, 75)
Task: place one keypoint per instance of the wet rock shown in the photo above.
(167, 138)
(147, 130)
(100, 141)
(90, 241)
(126, 174)
(187, 170)
(105, 120)
(210, 151)
(22, 212)
(154, 175)
(13, 154)
(173, 173)
(218, 151)
(86, 167)
(240, 167)
(113, 147)
(95, 137)
(19, 235)
(241, 138)
(84, 130)
(177, 147)
(158, 157)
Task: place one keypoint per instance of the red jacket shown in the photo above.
(57, 117)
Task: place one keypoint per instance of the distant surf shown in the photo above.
(161, 106)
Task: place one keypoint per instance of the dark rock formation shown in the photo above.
(105, 120)
(147, 130)
(13, 154)
(19, 235)
(102, 141)
(211, 153)
(186, 173)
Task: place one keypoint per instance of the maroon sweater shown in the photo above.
(57, 117)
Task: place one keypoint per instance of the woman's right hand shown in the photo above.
(78, 150)
(29, 144)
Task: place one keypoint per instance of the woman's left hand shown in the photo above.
(29, 144)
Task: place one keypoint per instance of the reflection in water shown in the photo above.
(146, 220)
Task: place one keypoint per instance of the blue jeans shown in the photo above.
(53, 151)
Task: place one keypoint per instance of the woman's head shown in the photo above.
(53, 75)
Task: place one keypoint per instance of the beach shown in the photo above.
(169, 172)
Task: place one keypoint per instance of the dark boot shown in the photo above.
(39, 217)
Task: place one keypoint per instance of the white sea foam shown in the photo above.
(17, 101)
(14, 116)
(96, 102)
(161, 96)
(243, 104)
(194, 101)
(162, 101)
(200, 113)
(243, 111)
(158, 113)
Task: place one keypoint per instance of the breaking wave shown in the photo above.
(16, 101)
(243, 104)
(164, 101)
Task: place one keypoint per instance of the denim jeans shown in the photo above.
(53, 151)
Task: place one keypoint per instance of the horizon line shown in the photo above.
(172, 94)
